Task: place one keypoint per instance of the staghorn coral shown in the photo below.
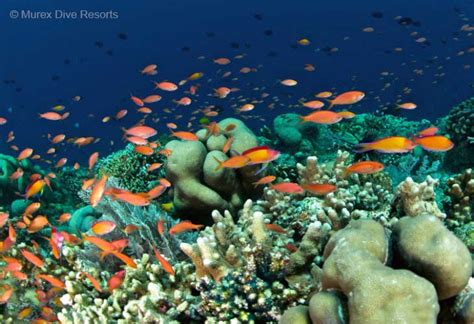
(415, 199)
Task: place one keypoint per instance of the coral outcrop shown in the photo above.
(199, 185)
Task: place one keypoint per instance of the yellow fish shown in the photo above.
(167, 206)
(58, 108)
(195, 76)
(35, 188)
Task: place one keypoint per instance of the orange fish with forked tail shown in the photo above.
(392, 144)
(184, 226)
(325, 117)
(365, 167)
(261, 154)
(347, 98)
(235, 162)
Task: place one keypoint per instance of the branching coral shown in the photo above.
(460, 208)
(130, 168)
(415, 199)
(241, 267)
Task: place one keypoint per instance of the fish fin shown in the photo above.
(331, 104)
(362, 147)
(263, 168)
(219, 166)
(256, 148)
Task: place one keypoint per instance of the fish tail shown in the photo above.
(331, 104)
(302, 119)
(219, 166)
(362, 147)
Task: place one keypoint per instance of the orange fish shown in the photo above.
(365, 167)
(160, 226)
(3, 120)
(116, 280)
(430, 131)
(156, 191)
(141, 131)
(55, 282)
(186, 136)
(6, 294)
(322, 117)
(152, 99)
(100, 243)
(145, 110)
(222, 92)
(392, 144)
(165, 264)
(93, 159)
(32, 258)
(130, 228)
(289, 82)
(309, 67)
(144, 150)
(185, 101)
(3, 219)
(32, 208)
(137, 101)
(103, 227)
(58, 138)
(61, 162)
(37, 224)
(246, 107)
(26, 153)
(16, 175)
(346, 114)
(25, 312)
(407, 105)
(234, 162)
(184, 226)
(436, 143)
(324, 94)
(125, 259)
(86, 184)
(64, 218)
(166, 86)
(314, 104)
(137, 140)
(121, 113)
(275, 228)
(93, 280)
(135, 199)
(261, 154)
(288, 187)
(98, 191)
(319, 189)
(222, 61)
(154, 166)
(54, 116)
(264, 180)
(13, 265)
(347, 98)
(149, 69)
(165, 182)
(19, 275)
(228, 144)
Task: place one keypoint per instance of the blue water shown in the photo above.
(35, 51)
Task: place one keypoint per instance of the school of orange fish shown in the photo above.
(140, 135)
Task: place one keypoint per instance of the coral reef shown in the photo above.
(460, 206)
(460, 125)
(199, 186)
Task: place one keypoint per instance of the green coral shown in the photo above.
(130, 168)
